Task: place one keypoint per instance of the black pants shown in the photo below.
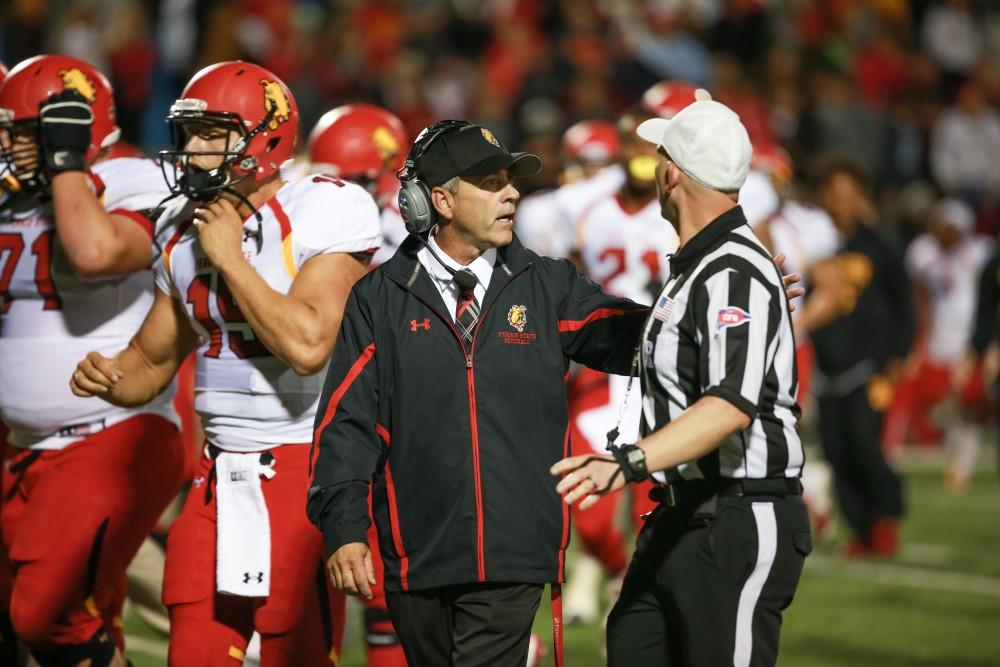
(867, 488)
(466, 626)
(705, 590)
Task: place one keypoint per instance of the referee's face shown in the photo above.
(666, 181)
(483, 210)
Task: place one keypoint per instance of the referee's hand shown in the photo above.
(352, 571)
(587, 478)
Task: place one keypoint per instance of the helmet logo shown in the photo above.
(488, 136)
(74, 79)
(276, 102)
(386, 145)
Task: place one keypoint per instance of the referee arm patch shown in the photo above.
(737, 325)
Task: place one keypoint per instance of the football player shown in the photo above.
(83, 482)
(545, 219)
(365, 144)
(254, 274)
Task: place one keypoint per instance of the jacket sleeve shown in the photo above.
(345, 446)
(987, 304)
(596, 329)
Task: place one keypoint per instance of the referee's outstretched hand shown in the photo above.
(587, 477)
(351, 569)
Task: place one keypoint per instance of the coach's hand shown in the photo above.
(95, 375)
(790, 280)
(351, 569)
(220, 231)
(587, 477)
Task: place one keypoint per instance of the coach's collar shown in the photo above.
(706, 240)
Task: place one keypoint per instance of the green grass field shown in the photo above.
(937, 604)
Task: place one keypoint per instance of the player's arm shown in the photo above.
(299, 327)
(141, 371)
(97, 243)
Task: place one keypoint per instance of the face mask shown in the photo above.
(642, 168)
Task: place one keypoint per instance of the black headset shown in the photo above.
(415, 205)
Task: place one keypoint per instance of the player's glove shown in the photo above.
(65, 120)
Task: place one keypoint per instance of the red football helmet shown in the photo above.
(591, 141)
(31, 82)
(238, 96)
(666, 98)
(363, 143)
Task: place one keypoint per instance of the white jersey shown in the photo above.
(546, 221)
(951, 279)
(804, 234)
(625, 251)
(248, 399)
(393, 231)
(758, 198)
(51, 318)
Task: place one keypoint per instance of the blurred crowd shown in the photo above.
(908, 88)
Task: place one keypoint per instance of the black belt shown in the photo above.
(698, 491)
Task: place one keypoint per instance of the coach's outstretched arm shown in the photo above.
(142, 370)
(346, 451)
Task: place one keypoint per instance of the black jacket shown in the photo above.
(458, 442)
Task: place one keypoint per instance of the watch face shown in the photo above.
(636, 456)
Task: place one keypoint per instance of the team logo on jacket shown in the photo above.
(74, 79)
(488, 136)
(276, 102)
(731, 316)
(517, 317)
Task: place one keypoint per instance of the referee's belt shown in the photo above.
(697, 491)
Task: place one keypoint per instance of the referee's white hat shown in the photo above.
(707, 140)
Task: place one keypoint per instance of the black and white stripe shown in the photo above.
(727, 333)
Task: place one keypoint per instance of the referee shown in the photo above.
(720, 557)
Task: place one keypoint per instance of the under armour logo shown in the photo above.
(425, 325)
(198, 481)
(60, 158)
(247, 577)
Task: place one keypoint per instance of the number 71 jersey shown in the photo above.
(248, 399)
(50, 318)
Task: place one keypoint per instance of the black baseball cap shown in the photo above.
(472, 150)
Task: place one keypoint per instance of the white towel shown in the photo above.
(243, 532)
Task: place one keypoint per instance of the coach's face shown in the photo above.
(481, 213)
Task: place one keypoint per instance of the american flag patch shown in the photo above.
(663, 308)
(731, 317)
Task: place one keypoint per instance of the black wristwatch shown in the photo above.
(632, 460)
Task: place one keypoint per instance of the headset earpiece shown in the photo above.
(415, 205)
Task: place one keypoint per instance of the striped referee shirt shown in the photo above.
(721, 327)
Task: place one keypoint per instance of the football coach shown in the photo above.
(720, 558)
(446, 395)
